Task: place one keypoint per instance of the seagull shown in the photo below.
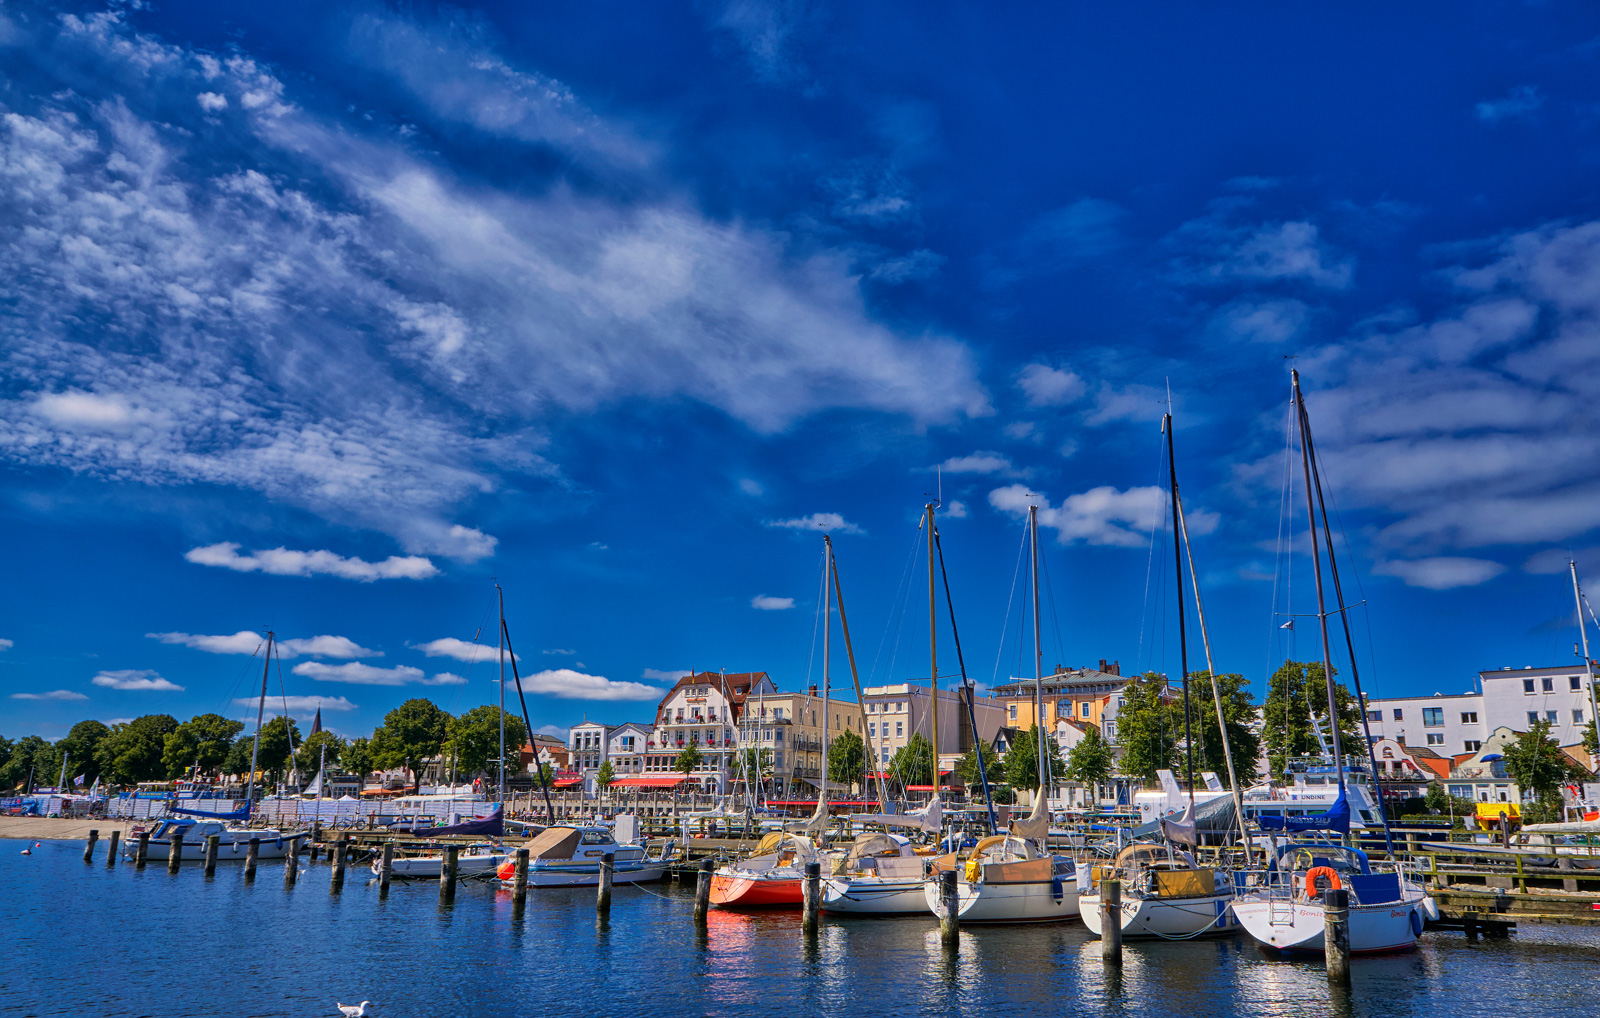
(353, 1010)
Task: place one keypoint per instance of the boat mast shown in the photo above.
(261, 710)
(1038, 654)
(1316, 568)
(1183, 633)
(501, 594)
(827, 675)
(855, 676)
(966, 685)
(1583, 634)
(933, 650)
(516, 675)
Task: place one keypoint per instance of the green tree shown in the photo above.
(1091, 761)
(688, 759)
(237, 762)
(1590, 745)
(132, 752)
(1535, 762)
(475, 737)
(356, 758)
(1022, 762)
(273, 756)
(1145, 727)
(753, 764)
(1296, 696)
(912, 764)
(967, 769)
(6, 747)
(24, 759)
(1239, 710)
(847, 759)
(308, 754)
(605, 776)
(204, 738)
(80, 745)
(410, 735)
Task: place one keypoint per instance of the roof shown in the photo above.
(735, 685)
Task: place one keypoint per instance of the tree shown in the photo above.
(688, 759)
(847, 759)
(237, 762)
(912, 764)
(6, 747)
(205, 739)
(1297, 694)
(272, 758)
(1535, 762)
(967, 769)
(356, 758)
(80, 745)
(1022, 762)
(410, 735)
(132, 752)
(1590, 744)
(309, 754)
(753, 764)
(1239, 710)
(24, 759)
(1145, 727)
(604, 776)
(1091, 761)
(475, 737)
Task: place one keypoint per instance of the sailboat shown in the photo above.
(882, 873)
(1165, 892)
(1286, 912)
(1012, 877)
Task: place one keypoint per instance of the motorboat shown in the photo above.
(233, 843)
(1165, 895)
(881, 874)
(565, 856)
(1283, 906)
(473, 860)
(772, 876)
(1007, 879)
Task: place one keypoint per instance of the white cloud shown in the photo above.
(1261, 320)
(1103, 515)
(830, 522)
(955, 510)
(1519, 102)
(212, 102)
(751, 487)
(360, 674)
(564, 652)
(553, 730)
(1442, 572)
(6, 644)
(462, 650)
(74, 409)
(136, 681)
(567, 684)
(763, 602)
(445, 679)
(247, 642)
(283, 562)
(1047, 386)
(299, 705)
(1212, 251)
(54, 694)
(977, 463)
(664, 674)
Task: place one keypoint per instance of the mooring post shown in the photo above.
(251, 853)
(949, 910)
(175, 852)
(316, 837)
(519, 883)
(1469, 923)
(1111, 920)
(1336, 934)
(811, 897)
(291, 863)
(447, 873)
(111, 847)
(142, 849)
(386, 867)
(602, 901)
(702, 892)
(341, 850)
(88, 849)
(213, 842)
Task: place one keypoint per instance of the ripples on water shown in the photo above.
(88, 940)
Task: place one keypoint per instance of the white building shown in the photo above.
(1457, 724)
(703, 710)
(894, 713)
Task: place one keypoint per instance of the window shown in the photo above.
(1436, 738)
(1399, 715)
(872, 731)
(1551, 715)
(1527, 685)
(1471, 746)
(898, 730)
(1533, 717)
(885, 754)
(1013, 712)
(1084, 714)
(1549, 685)
(778, 736)
(1576, 681)
(1577, 717)
(1433, 717)
(1469, 717)
(1374, 715)
(872, 708)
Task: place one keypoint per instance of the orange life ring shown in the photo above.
(1321, 871)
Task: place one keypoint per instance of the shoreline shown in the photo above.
(60, 828)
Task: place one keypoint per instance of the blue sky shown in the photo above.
(322, 320)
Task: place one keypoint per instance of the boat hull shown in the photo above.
(1296, 927)
(736, 890)
(1166, 918)
(874, 896)
(1030, 902)
(588, 874)
(428, 867)
(227, 851)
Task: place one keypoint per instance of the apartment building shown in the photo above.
(790, 727)
(1081, 695)
(892, 714)
(1452, 724)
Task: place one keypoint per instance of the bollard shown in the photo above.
(175, 852)
(251, 854)
(949, 910)
(1336, 935)
(213, 841)
(1469, 924)
(142, 849)
(291, 862)
(336, 882)
(316, 838)
(111, 847)
(702, 892)
(315, 849)
(602, 901)
(88, 849)
(1111, 920)
(519, 884)
(447, 873)
(385, 868)
(811, 897)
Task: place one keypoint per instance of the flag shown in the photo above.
(78, 780)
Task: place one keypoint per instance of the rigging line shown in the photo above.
(245, 671)
(816, 620)
(896, 608)
(527, 722)
(1149, 567)
(903, 609)
(288, 722)
(966, 682)
(1005, 621)
(1050, 599)
(1279, 561)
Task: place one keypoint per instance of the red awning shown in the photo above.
(566, 782)
(648, 782)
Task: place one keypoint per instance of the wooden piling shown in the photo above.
(142, 849)
(1336, 934)
(175, 852)
(213, 842)
(251, 854)
(341, 852)
(602, 901)
(385, 868)
(811, 897)
(702, 892)
(447, 873)
(291, 862)
(1111, 921)
(111, 846)
(949, 910)
(519, 884)
(88, 848)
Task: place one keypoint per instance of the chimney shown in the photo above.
(813, 690)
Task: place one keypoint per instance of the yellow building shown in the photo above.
(1077, 694)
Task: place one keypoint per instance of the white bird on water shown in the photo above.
(354, 1010)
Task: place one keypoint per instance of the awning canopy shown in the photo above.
(565, 782)
(649, 782)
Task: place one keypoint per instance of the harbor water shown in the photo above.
(91, 940)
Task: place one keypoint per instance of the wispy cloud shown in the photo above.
(461, 650)
(566, 684)
(978, 463)
(359, 673)
(300, 705)
(664, 674)
(829, 522)
(1443, 572)
(54, 694)
(131, 680)
(283, 562)
(1213, 251)
(1261, 320)
(1519, 102)
(560, 651)
(1044, 385)
(6, 644)
(767, 603)
(247, 642)
(1103, 515)
(766, 31)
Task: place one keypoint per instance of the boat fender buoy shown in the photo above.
(507, 871)
(973, 869)
(1416, 922)
(1321, 871)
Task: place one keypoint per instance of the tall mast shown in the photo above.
(1316, 568)
(261, 710)
(1038, 649)
(966, 686)
(933, 650)
(1583, 634)
(501, 595)
(1183, 634)
(855, 676)
(827, 674)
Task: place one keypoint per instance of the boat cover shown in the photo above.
(491, 826)
(554, 843)
(242, 813)
(1337, 818)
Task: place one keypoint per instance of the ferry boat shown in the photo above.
(233, 843)
(570, 857)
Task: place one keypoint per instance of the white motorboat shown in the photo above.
(571, 856)
(1285, 909)
(881, 874)
(233, 843)
(472, 861)
(1165, 895)
(1008, 880)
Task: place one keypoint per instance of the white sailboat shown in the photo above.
(566, 856)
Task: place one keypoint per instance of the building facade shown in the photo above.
(892, 714)
(703, 710)
(789, 727)
(1076, 694)
(1459, 723)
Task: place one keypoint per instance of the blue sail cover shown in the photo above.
(492, 825)
(1337, 818)
(238, 814)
